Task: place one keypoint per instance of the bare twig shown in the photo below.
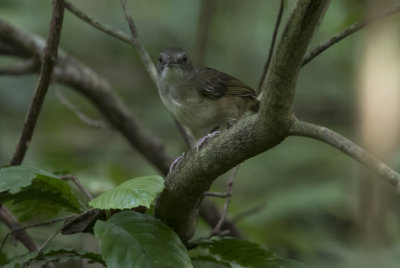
(83, 117)
(48, 61)
(21, 68)
(272, 46)
(207, 9)
(48, 240)
(39, 224)
(98, 25)
(229, 184)
(348, 31)
(144, 56)
(348, 147)
(75, 180)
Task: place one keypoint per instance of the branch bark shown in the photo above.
(178, 203)
(343, 144)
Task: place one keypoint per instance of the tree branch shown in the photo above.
(184, 185)
(343, 144)
(348, 31)
(279, 88)
(48, 61)
(81, 78)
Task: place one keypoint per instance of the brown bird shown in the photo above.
(201, 98)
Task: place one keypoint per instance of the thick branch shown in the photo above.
(348, 31)
(178, 203)
(48, 61)
(348, 147)
(279, 88)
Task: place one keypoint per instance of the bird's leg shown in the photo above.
(201, 141)
(176, 162)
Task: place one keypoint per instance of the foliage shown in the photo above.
(131, 239)
(132, 193)
(35, 192)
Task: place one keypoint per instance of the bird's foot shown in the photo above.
(205, 138)
(176, 162)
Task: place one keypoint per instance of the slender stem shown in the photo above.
(229, 184)
(348, 31)
(98, 25)
(75, 180)
(21, 68)
(82, 116)
(39, 224)
(272, 46)
(48, 61)
(144, 55)
(348, 147)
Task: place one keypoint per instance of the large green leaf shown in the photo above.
(53, 255)
(136, 192)
(246, 254)
(32, 192)
(130, 239)
(14, 177)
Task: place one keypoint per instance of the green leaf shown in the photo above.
(33, 192)
(54, 255)
(246, 254)
(14, 177)
(130, 239)
(136, 192)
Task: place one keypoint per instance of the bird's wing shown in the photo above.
(215, 84)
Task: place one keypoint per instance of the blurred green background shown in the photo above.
(307, 193)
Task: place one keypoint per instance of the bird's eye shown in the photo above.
(184, 59)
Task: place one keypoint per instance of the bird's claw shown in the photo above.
(176, 162)
(204, 139)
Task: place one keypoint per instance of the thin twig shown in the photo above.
(82, 116)
(229, 184)
(343, 144)
(75, 180)
(144, 55)
(48, 240)
(48, 61)
(21, 68)
(124, 37)
(272, 46)
(39, 224)
(348, 31)
(207, 8)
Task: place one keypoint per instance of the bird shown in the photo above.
(202, 99)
